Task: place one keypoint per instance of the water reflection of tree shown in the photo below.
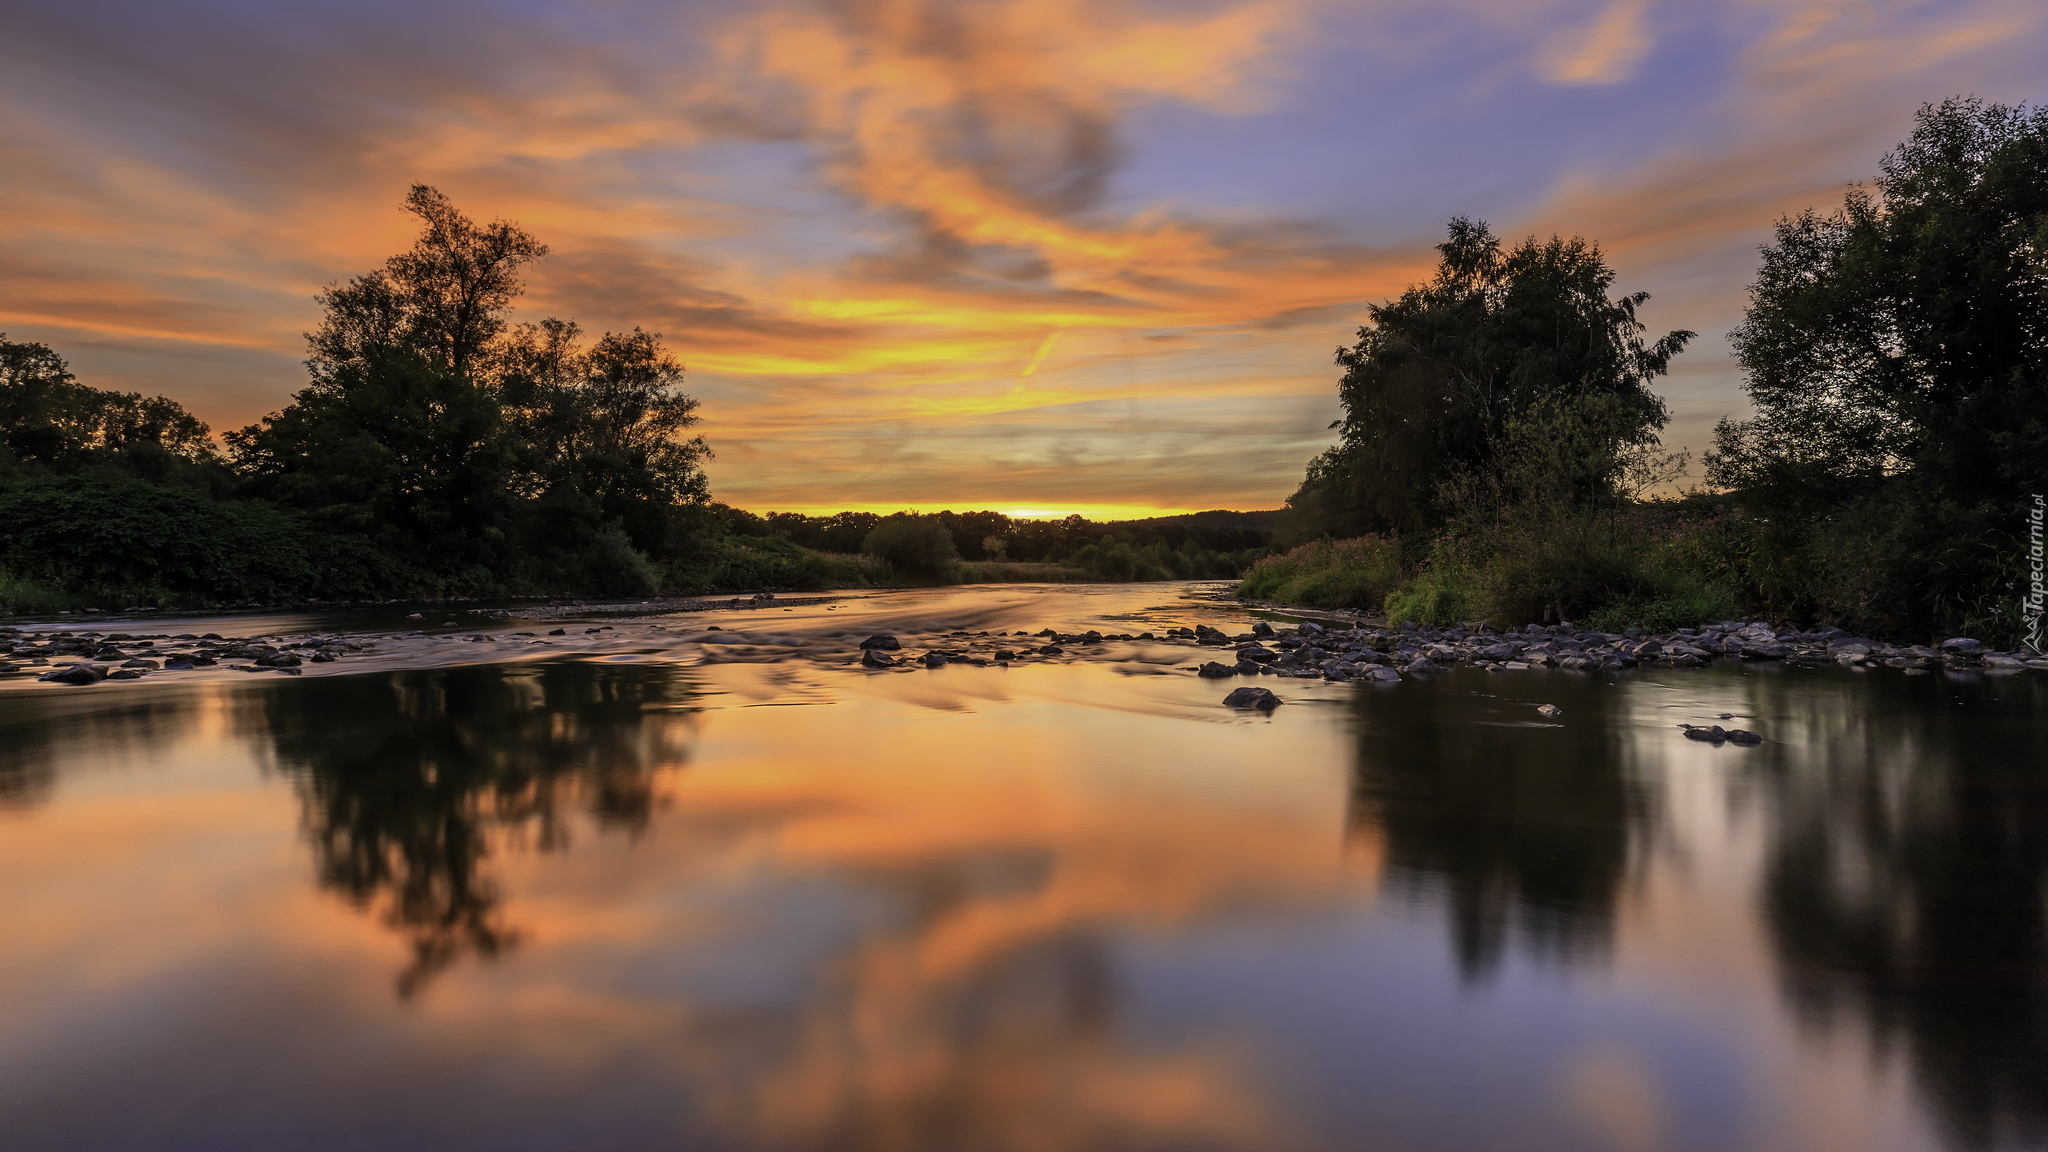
(411, 780)
(1908, 884)
(73, 727)
(1524, 832)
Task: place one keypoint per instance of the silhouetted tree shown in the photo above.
(1897, 355)
(604, 423)
(51, 423)
(1500, 342)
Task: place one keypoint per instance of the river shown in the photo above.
(632, 889)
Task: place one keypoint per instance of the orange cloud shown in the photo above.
(1605, 53)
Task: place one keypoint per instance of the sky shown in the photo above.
(1043, 256)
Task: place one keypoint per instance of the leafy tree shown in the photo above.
(51, 423)
(604, 423)
(1897, 356)
(915, 545)
(396, 436)
(1502, 346)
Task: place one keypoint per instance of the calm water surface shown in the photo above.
(633, 898)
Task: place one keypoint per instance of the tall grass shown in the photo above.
(1328, 574)
(767, 562)
(1609, 570)
(20, 597)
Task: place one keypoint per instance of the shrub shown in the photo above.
(144, 543)
(1438, 595)
(743, 563)
(1354, 573)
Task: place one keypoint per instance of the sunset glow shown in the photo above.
(1040, 255)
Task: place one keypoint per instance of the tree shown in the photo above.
(1500, 345)
(1896, 352)
(444, 301)
(605, 423)
(397, 436)
(51, 423)
(915, 545)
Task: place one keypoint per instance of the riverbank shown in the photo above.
(935, 628)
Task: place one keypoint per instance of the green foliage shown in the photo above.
(740, 564)
(917, 546)
(1354, 573)
(476, 458)
(604, 422)
(137, 543)
(1436, 382)
(19, 597)
(1897, 355)
(1613, 567)
(1439, 594)
(400, 452)
(52, 424)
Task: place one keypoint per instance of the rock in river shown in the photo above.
(1214, 671)
(1260, 698)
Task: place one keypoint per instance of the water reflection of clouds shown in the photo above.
(974, 996)
(1041, 910)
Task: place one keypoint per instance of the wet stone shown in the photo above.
(1259, 698)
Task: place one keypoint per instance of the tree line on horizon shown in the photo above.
(1499, 456)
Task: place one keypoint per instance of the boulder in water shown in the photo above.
(1259, 698)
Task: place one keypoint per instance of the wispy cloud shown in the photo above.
(1605, 52)
(859, 220)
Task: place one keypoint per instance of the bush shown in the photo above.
(1439, 595)
(138, 543)
(743, 563)
(916, 546)
(1632, 568)
(20, 597)
(1354, 573)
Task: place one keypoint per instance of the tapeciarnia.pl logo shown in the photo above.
(2030, 604)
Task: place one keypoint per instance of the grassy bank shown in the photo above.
(1651, 567)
